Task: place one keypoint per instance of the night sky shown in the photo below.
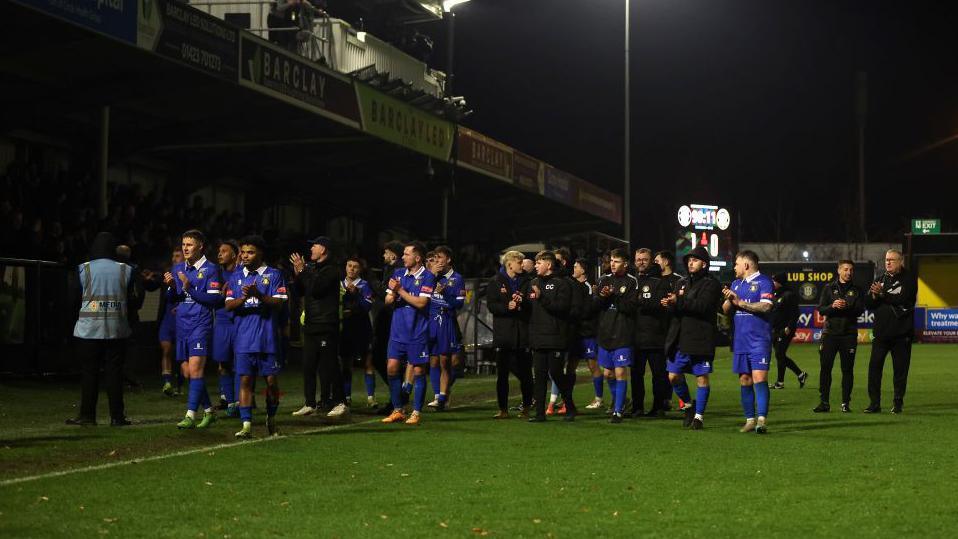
(747, 104)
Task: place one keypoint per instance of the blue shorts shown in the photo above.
(414, 353)
(615, 359)
(748, 362)
(168, 328)
(195, 343)
(254, 363)
(584, 349)
(683, 363)
(223, 335)
(443, 340)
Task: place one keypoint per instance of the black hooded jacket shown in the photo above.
(693, 329)
(318, 285)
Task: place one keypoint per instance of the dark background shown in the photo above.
(748, 104)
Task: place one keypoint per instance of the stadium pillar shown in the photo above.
(101, 206)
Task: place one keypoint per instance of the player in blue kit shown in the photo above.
(447, 298)
(256, 293)
(357, 331)
(409, 291)
(751, 298)
(223, 333)
(196, 285)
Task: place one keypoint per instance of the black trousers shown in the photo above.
(661, 389)
(519, 364)
(900, 348)
(546, 363)
(94, 355)
(321, 353)
(845, 346)
(781, 342)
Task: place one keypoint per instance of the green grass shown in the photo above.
(463, 474)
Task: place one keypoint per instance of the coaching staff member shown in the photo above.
(892, 297)
(841, 304)
(104, 289)
(651, 324)
(318, 284)
(510, 332)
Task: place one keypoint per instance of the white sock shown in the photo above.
(191, 414)
(247, 424)
(208, 410)
(750, 420)
(698, 416)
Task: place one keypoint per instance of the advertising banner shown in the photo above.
(189, 36)
(528, 173)
(599, 202)
(273, 71)
(938, 325)
(403, 124)
(560, 186)
(113, 18)
(810, 324)
(484, 155)
(808, 278)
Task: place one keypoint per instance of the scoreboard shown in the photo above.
(709, 226)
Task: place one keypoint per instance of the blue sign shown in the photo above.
(941, 319)
(114, 18)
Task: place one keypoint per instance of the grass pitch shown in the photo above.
(462, 474)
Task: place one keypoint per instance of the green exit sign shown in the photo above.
(926, 226)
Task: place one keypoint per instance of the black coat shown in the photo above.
(651, 318)
(786, 312)
(895, 307)
(318, 285)
(587, 318)
(510, 329)
(615, 311)
(841, 321)
(549, 321)
(693, 329)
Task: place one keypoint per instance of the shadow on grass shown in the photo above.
(38, 440)
(804, 426)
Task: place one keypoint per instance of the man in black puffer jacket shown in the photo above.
(318, 284)
(510, 331)
(692, 333)
(550, 297)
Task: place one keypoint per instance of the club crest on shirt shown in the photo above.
(645, 288)
(622, 289)
(265, 279)
(753, 288)
(851, 293)
(199, 275)
(417, 282)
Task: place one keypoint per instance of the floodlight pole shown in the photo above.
(627, 188)
(103, 169)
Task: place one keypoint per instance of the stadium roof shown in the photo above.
(194, 90)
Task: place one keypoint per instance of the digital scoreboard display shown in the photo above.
(708, 226)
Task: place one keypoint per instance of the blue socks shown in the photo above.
(597, 386)
(195, 396)
(246, 413)
(168, 378)
(420, 382)
(395, 391)
(681, 390)
(621, 388)
(435, 378)
(348, 387)
(701, 399)
(370, 380)
(761, 398)
(748, 401)
(226, 387)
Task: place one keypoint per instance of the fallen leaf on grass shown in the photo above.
(284, 504)
(537, 521)
(113, 453)
(480, 531)
(615, 514)
(209, 484)
(384, 517)
(443, 525)
(110, 520)
(403, 475)
(44, 499)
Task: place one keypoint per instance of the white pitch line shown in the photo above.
(108, 465)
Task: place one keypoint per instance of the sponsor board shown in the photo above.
(273, 71)
(113, 18)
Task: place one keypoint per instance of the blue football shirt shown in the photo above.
(409, 324)
(200, 298)
(753, 332)
(257, 324)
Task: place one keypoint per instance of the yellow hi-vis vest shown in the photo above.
(104, 304)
